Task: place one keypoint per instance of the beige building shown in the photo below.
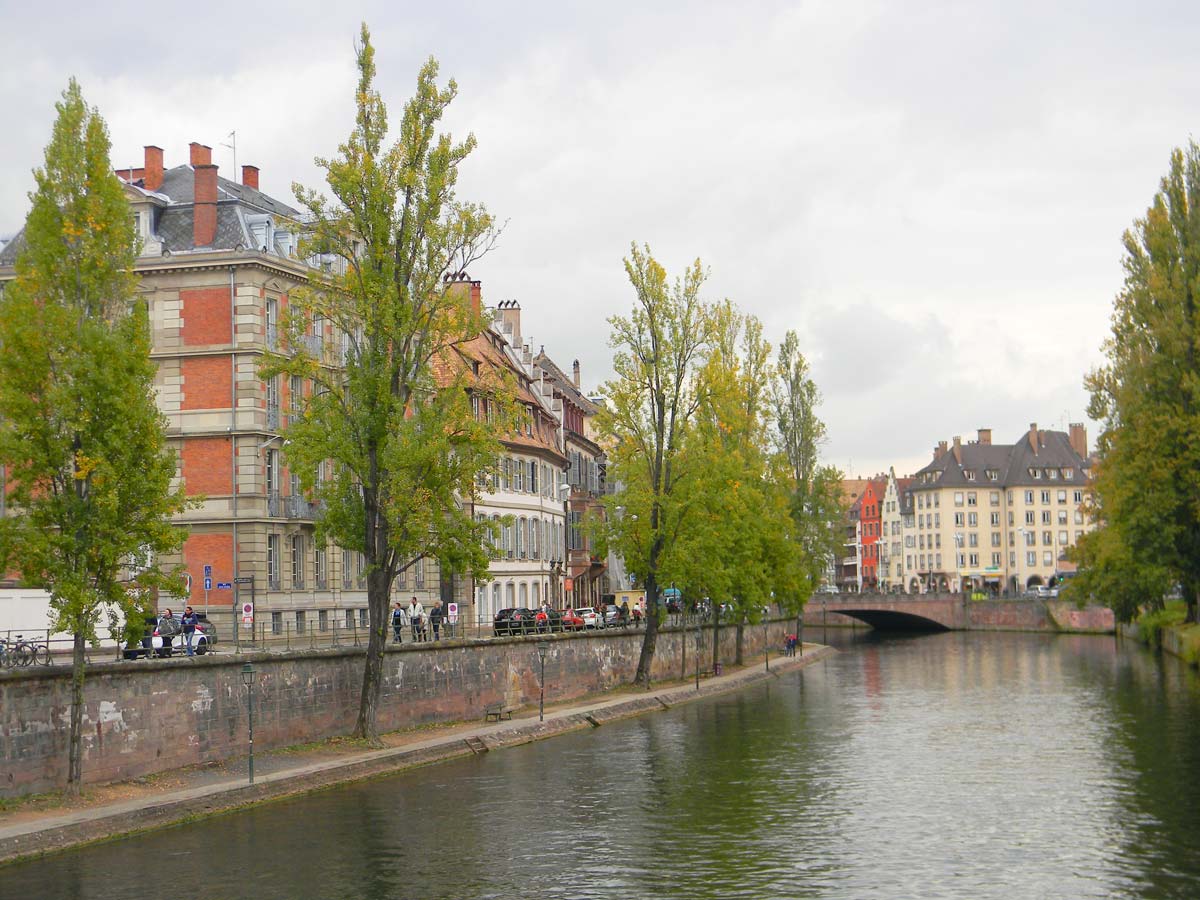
(999, 517)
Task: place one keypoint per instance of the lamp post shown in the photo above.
(248, 674)
(697, 653)
(766, 646)
(542, 647)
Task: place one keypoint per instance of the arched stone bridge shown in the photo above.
(950, 612)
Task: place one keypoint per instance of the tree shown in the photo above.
(816, 505)
(1147, 396)
(393, 429)
(80, 434)
(650, 406)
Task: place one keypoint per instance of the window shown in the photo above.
(1062, 517)
(1045, 517)
(402, 580)
(922, 542)
(1030, 538)
(1036, 473)
(1011, 519)
(1062, 538)
(970, 473)
(971, 499)
(995, 559)
(319, 565)
(518, 475)
(322, 620)
(419, 574)
(1045, 496)
(1029, 496)
(959, 519)
(972, 519)
(1012, 558)
(363, 620)
(1031, 558)
(1048, 558)
(1079, 496)
(1047, 538)
(1079, 517)
(276, 623)
(523, 594)
(937, 519)
(272, 323)
(536, 595)
(273, 561)
(939, 560)
(995, 539)
(533, 473)
(1068, 474)
(295, 398)
(972, 539)
(521, 538)
(299, 621)
(297, 561)
(1062, 497)
(273, 401)
(350, 619)
(922, 560)
(994, 498)
(993, 475)
(995, 519)
(1052, 474)
(1030, 517)
(347, 573)
(973, 560)
(938, 543)
(937, 500)
(958, 498)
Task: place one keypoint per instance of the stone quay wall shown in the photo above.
(143, 717)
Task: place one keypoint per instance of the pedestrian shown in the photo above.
(189, 622)
(168, 627)
(399, 621)
(625, 612)
(416, 619)
(435, 618)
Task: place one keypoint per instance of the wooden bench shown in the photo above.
(496, 711)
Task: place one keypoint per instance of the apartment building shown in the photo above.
(999, 517)
(586, 576)
(892, 538)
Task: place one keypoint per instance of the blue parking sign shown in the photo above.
(208, 584)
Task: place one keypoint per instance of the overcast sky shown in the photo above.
(931, 194)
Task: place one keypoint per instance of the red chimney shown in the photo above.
(152, 177)
(1033, 437)
(204, 212)
(1078, 438)
(250, 176)
(201, 155)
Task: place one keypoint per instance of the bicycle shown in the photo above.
(36, 654)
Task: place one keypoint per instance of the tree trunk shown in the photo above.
(650, 641)
(75, 753)
(1191, 596)
(741, 633)
(378, 583)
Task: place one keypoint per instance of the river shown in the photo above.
(961, 765)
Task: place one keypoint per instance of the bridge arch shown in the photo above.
(893, 620)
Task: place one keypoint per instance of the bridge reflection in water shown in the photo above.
(954, 612)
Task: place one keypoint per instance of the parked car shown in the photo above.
(514, 620)
(570, 621)
(591, 618)
(155, 644)
(547, 620)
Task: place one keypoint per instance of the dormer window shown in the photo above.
(1052, 474)
(993, 475)
(1068, 474)
(1036, 473)
(970, 474)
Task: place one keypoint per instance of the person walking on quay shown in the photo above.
(399, 621)
(436, 615)
(416, 618)
(189, 621)
(168, 627)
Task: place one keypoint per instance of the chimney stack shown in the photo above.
(958, 449)
(250, 176)
(510, 315)
(575, 374)
(1033, 437)
(985, 437)
(1078, 439)
(461, 283)
(200, 154)
(940, 450)
(204, 209)
(152, 173)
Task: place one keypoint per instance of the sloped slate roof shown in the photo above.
(1012, 462)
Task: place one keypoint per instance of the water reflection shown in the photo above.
(952, 765)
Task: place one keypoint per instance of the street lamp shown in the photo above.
(697, 653)
(248, 675)
(542, 647)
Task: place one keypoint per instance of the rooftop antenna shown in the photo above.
(232, 145)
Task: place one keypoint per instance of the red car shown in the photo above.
(572, 622)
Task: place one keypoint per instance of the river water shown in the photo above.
(950, 765)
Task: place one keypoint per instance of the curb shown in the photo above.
(30, 840)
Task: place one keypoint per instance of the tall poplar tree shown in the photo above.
(649, 413)
(393, 429)
(80, 434)
(1147, 489)
(815, 489)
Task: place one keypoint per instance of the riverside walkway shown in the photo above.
(46, 824)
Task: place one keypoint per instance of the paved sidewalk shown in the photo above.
(112, 810)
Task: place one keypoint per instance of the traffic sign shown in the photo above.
(452, 612)
(248, 614)
(187, 583)
(244, 579)
(224, 585)
(208, 571)
(207, 582)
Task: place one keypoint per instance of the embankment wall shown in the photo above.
(143, 717)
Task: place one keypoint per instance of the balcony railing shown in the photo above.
(274, 503)
(297, 507)
(272, 416)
